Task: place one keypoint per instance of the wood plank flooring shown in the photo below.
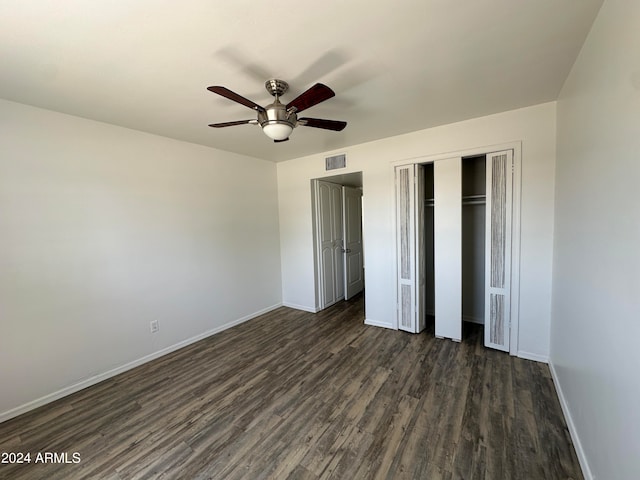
(292, 395)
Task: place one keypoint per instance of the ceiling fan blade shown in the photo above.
(278, 141)
(313, 96)
(225, 92)
(321, 123)
(231, 124)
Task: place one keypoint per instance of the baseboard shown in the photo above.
(376, 323)
(582, 457)
(469, 318)
(14, 412)
(304, 308)
(533, 356)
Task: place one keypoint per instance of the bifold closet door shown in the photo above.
(352, 251)
(498, 250)
(329, 230)
(411, 291)
(447, 186)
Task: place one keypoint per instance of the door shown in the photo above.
(352, 251)
(409, 242)
(501, 249)
(498, 250)
(447, 239)
(329, 232)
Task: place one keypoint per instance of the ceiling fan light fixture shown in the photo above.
(278, 120)
(277, 130)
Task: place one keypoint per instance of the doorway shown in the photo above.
(338, 242)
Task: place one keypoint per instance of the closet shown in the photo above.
(473, 237)
(329, 232)
(338, 243)
(454, 235)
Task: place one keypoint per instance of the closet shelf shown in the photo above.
(474, 199)
(466, 200)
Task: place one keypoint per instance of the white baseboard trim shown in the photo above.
(63, 392)
(533, 356)
(304, 308)
(582, 457)
(376, 323)
(469, 318)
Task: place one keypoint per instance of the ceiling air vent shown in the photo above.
(337, 161)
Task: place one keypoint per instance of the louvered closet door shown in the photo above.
(409, 238)
(498, 250)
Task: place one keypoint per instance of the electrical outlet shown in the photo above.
(154, 326)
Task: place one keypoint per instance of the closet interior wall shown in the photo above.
(428, 252)
(473, 238)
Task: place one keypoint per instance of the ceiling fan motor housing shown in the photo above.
(276, 120)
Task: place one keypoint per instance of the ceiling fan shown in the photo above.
(278, 120)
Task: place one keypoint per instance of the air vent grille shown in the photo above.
(336, 161)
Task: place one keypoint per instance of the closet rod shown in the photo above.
(474, 199)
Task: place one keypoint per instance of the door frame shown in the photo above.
(515, 225)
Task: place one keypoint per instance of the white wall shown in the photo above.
(596, 275)
(104, 229)
(534, 127)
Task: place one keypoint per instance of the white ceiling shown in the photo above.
(396, 66)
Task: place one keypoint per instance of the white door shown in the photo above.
(329, 232)
(498, 250)
(409, 240)
(447, 188)
(352, 230)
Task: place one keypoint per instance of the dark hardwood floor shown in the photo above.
(302, 396)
